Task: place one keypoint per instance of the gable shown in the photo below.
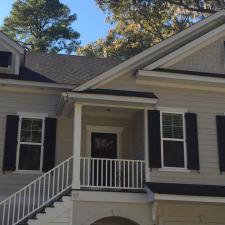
(16, 52)
(210, 59)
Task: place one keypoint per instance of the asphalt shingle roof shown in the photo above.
(62, 69)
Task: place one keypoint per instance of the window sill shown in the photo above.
(28, 172)
(182, 170)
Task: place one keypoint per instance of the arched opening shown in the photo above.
(114, 221)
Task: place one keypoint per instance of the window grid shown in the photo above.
(41, 144)
(173, 139)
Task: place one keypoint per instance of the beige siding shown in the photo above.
(207, 105)
(174, 213)
(138, 139)
(210, 59)
(10, 104)
(126, 124)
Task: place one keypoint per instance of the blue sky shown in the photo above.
(90, 23)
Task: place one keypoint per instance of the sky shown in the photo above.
(90, 22)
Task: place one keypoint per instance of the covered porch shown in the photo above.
(110, 146)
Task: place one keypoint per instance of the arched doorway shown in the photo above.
(114, 221)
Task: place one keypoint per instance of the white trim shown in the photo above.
(178, 76)
(102, 97)
(189, 48)
(170, 169)
(32, 115)
(12, 43)
(105, 129)
(186, 198)
(77, 128)
(34, 83)
(117, 106)
(147, 172)
(26, 115)
(183, 140)
(147, 55)
(104, 196)
(172, 109)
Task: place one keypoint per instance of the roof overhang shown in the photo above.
(185, 192)
(158, 51)
(11, 43)
(90, 98)
(143, 76)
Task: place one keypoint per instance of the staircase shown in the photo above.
(40, 199)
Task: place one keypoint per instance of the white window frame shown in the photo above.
(42, 117)
(173, 111)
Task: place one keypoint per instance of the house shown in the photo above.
(88, 141)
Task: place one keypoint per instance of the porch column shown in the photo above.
(147, 171)
(76, 145)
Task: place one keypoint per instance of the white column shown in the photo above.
(76, 145)
(147, 170)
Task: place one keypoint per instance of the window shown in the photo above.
(173, 137)
(5, 59)
(30, 144)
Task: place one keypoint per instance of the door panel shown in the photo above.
(103, 145)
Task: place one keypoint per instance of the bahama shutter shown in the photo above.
(49, 144)
(11, 135)
(192, 141)
(154, 138)
(220, 122)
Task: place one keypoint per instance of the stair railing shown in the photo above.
(37, 194)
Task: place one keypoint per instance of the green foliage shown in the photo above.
(42, 25)
(139, 24)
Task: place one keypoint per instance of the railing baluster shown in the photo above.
(3, 216)
(8, 219)
(14, 207)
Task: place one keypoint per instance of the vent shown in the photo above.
(5, 59)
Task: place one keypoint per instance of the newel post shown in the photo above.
(76, 145)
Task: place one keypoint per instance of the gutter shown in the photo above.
(35, 84)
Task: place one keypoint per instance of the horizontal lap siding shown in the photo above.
(13, 102)
(207, 105)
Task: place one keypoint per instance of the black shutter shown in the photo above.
(49, 144)
(154, 139)
(192, 141)
(11, 133)
(220, 121)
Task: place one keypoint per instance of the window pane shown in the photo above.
(173, 153)
(25, 136)
(172, 124)
(29, 157)
(31, 130)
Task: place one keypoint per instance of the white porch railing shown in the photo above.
(112, 173)
(37, 194)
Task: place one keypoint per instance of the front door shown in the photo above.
(103, 147)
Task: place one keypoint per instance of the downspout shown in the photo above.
(62, 101)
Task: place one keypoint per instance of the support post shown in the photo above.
(147, 171)
(76, 145)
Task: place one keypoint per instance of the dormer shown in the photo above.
(11, 55)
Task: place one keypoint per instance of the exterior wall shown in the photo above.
(210, 59)
(127, 134)
(12, 102)
(207, 105)
(62, 219)
(138, 213)
(177, 213)
(12, 68)
(138, 140)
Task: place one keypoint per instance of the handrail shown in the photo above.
(36, 194)
(112, 173)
